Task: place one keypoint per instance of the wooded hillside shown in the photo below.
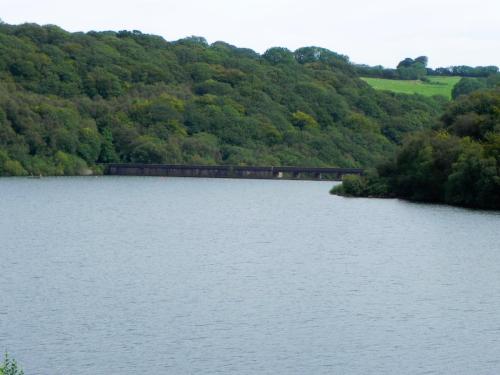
(71, 100)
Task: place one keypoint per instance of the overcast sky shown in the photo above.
(449, 32)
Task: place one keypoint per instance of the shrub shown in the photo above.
(9, 167)
(13, 168)
(69, 165)
(352, 186)
(10, 367)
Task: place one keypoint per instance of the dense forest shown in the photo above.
(456, 163)
(71, 101)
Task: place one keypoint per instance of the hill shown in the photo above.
(457, 163)
(69, 101)
(432, 86)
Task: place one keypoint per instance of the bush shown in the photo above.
(352, 186)
(69, 165)
(10, 167)
(10, 367)
(13, 168)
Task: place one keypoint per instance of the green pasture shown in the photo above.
(436, 86)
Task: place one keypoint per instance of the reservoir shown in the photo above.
(128, 275)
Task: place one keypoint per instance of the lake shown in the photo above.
(110, 275)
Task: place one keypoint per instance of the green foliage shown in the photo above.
(279, 55)
(10, 167)
(466, 71)
(103, 83)
(474, 181)
(304, 121)
(10, 367)
(352, 186)
(410, 69)
(466, 86)
(67, 164)
(459, 164)
(368, 185)
(423, 165)
(475, 115)
(416, 69)
(148, 149)
(71, 100)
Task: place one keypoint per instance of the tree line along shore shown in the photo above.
(72, 101)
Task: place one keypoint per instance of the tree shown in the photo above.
(406, 63)
(279, 55)
(71, 100)
(424, 60)
(475, 115)
(304, 121)
(108, 153)
(474, 181)
(103, 83)
(148, 150)
(466, 86)
(458, 165)
(196, 40)
(10, 367)
(412, 69)
(9, 167)
(306, 55)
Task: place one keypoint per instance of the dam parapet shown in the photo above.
(227, 171)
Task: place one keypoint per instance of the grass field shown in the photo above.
(437, 86)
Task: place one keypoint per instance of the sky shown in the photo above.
(449, 32)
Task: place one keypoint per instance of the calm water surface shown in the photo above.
(190, 276)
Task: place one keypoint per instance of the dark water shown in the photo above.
(192, 276)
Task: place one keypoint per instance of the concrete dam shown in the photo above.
(226, 171)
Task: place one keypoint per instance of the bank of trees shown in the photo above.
(468, 85)
(458, 163)
(69, 101)
(465, 71)
(416, 69)
(407, 69)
